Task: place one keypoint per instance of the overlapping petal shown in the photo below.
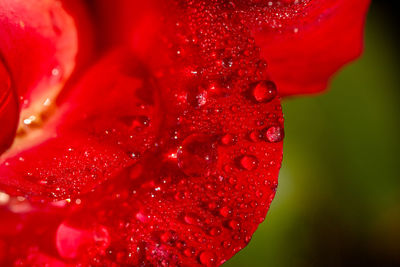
(305, 42)
(9, 111)
(39, 50)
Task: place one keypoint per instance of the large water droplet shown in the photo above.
(225, 211)
(264, 91)
(197, 155)
(72, 241)
(207, 258)
(197, 97)
(234, 224)
(274, 134)
(189, 252)
(227, 62)
(228, 139)
(248, 162)
(142, 217)
(214, 231)
(191, 218)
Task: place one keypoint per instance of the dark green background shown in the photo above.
(338, 200)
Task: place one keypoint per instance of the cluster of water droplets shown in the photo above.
(194, 192)
(277, 15)
(217, 169)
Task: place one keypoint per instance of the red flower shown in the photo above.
(166, 150)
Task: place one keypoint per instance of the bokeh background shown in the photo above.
(338, 201)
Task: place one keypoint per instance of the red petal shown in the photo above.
(38, 41)
(210, 155)
(107, 124)
(306, 42)
(23, 230)
(61, 167)
(39, 44)
(126, 22)
(207, 125)
(8, 110)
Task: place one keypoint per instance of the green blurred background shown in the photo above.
(338, 201)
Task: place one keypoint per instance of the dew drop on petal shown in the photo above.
(71, 242)
(141, 217)
(197, 155)
(274, 134)
(254, 136)
(228, 139)
(227, 62)
(207, 258)
(214, 231)
(190, 219)
(234, 224)
(264, 91)
(248, 162)
(225, 211)
(168, 237)
(139, 123)
(189, 252)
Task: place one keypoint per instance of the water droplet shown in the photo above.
(55, 71)
(255, 136)
(215, 89)
(212, 205)
(190, 219)
(248, 162)
(197, 97)
(227, 62)
(168, 237)
(228, 139)
(189, 252)
(264, 91)
(137, 123)
(226, 244)
(180, 244)
(56, 74)
(71, 241)
(274, 134)
(214, 231)
(101, 238)
(201, 98)
(225, 211)
(197, 155)
(134, 155)
(234, 224)
(207, 258)
(142, 217)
